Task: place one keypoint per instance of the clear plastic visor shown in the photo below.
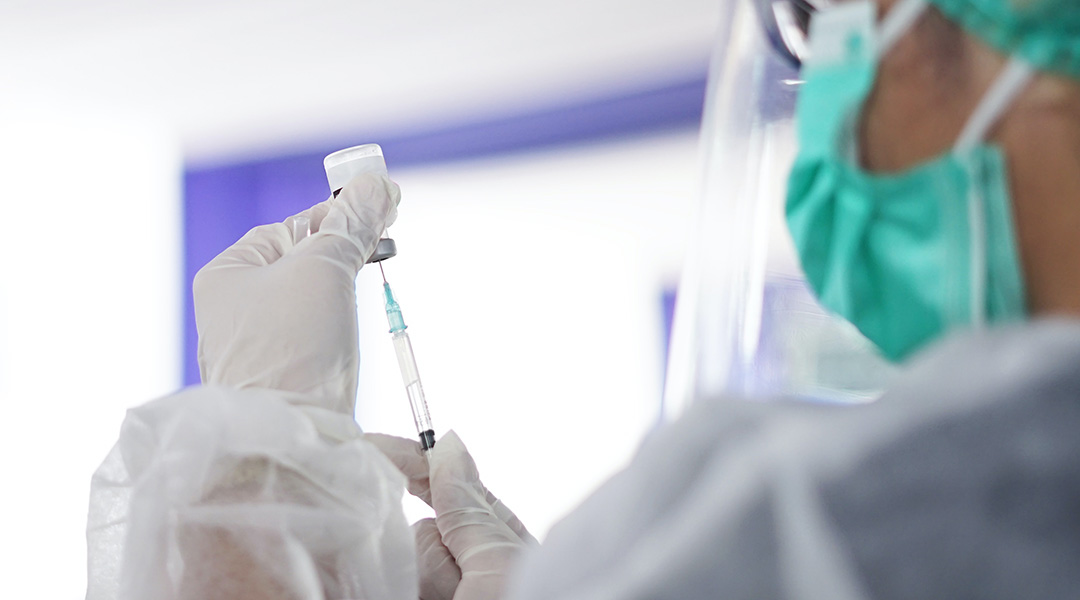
(746, 322)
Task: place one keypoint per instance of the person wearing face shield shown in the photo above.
(930, 205)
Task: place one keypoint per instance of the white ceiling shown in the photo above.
(239, 78)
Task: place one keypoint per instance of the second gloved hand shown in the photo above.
(278, 312)
(466, 552)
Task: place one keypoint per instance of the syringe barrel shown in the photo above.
(410, 376)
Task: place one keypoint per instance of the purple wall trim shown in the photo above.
(221, 203)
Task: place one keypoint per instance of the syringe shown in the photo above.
(407, 364)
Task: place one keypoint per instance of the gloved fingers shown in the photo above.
(318, 212)
(507, 516)
(375, 193)
(262, 245)
(439, 574)
(481, 585)
(394, 192)
(355, 221)
(266, 244)
(477, 539)
(408, 458)
(453, 444)
(475, 535)
(314, 216)
(451, 466)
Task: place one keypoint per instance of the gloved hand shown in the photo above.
(277, 312)
(465, 552)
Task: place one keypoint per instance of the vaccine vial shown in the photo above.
(343, 165)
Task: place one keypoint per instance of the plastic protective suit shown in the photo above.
(260, 485)
(961, 482)
(233, 494)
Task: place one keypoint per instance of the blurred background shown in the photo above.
(548, 160)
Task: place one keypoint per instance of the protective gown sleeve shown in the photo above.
(961, 482)
(222, 493)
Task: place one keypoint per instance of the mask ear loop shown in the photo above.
(1016, 74)
(1012, 80)
(900, 18)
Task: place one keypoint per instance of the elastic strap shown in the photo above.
(997, 99)
(900, 18)
(994, 103)
(977, 229)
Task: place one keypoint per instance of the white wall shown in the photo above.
(260, 78)
(532, 289)
(89, 319)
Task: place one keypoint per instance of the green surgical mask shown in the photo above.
(905, 256)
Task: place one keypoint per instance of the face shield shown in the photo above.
(746, 322)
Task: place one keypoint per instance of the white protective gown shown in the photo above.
(962, 482)
(218, 493)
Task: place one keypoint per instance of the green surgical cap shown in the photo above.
(1046, 33)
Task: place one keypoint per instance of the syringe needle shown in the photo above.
(383, 272)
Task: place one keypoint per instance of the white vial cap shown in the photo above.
(343, 165)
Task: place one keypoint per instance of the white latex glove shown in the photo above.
(279, 313)
(466, 552)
